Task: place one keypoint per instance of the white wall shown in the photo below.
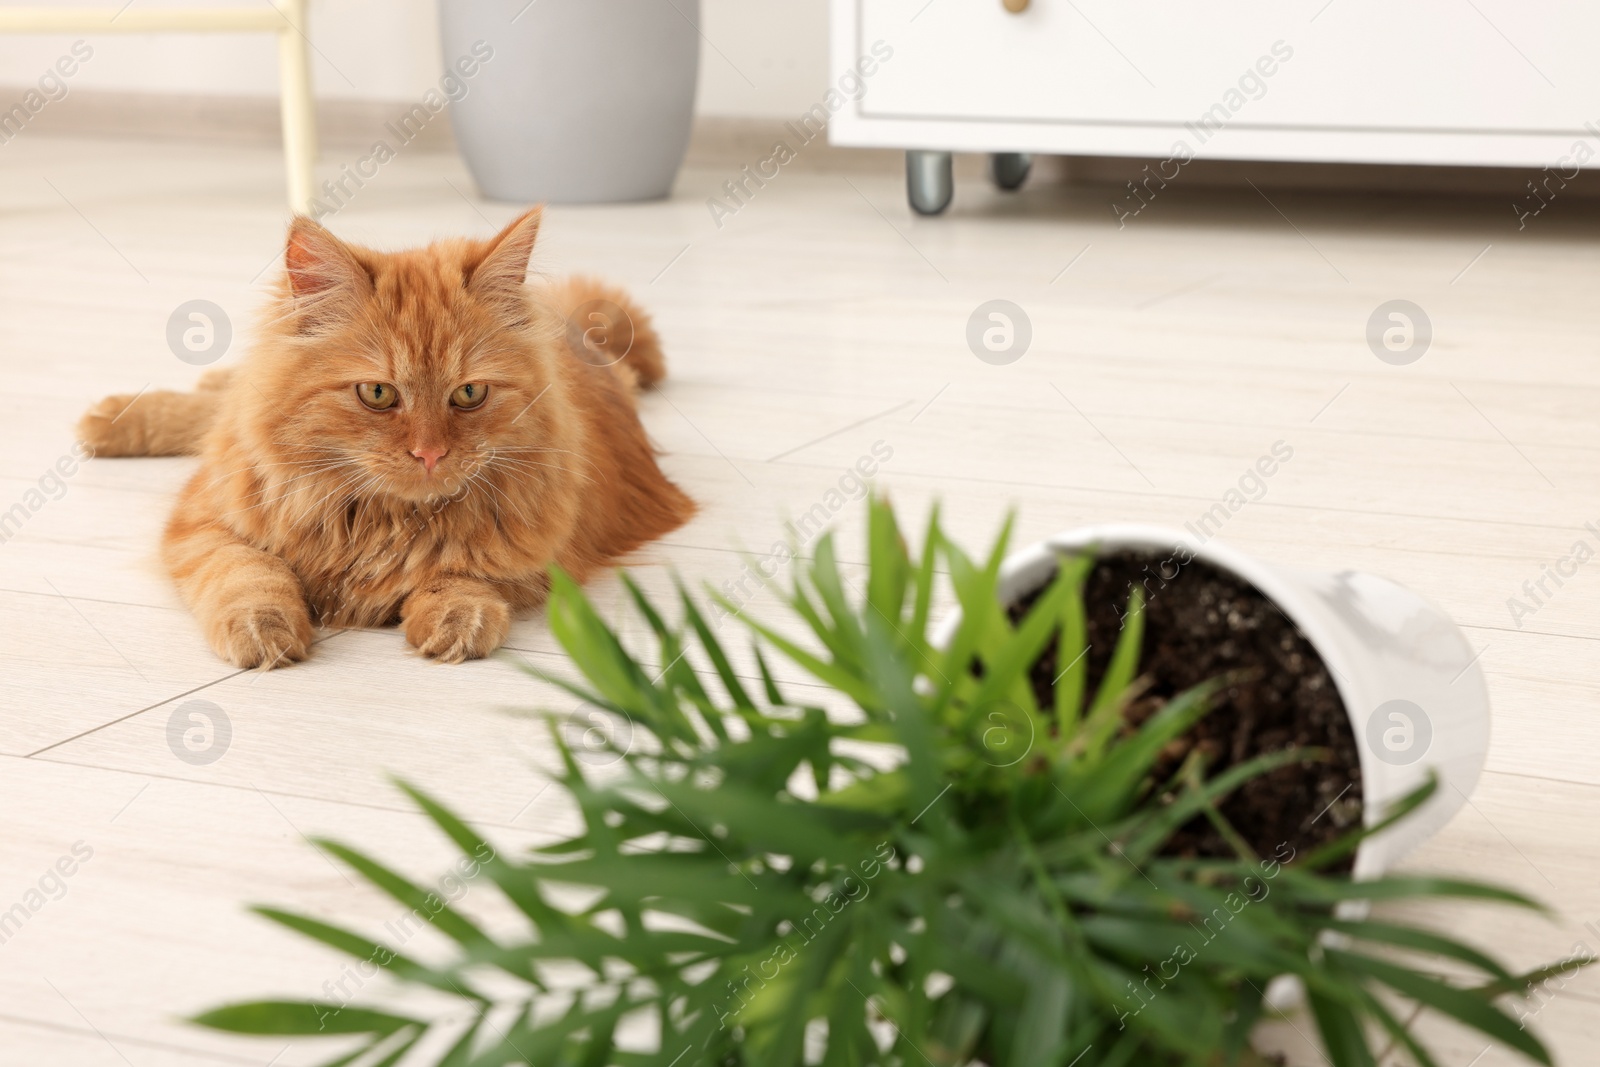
(758, 57)
(779, 45)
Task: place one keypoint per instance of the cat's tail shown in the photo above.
(605, 326)
(155, 422)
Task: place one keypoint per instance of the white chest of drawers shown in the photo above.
(1464, 82)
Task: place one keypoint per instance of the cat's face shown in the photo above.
(410, 373)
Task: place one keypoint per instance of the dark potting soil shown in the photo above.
(1201, 623)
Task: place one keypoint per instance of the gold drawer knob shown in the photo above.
(1016, 7)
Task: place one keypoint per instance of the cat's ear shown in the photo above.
(325, 277)
(504, 266)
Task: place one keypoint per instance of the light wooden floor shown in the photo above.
(1166, 357)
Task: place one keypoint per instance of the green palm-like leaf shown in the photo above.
(302, 1017)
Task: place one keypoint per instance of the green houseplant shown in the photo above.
(950, 874)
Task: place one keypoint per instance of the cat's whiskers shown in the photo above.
(511, 502)
(273, 464)
(339, 485)
(499, 521)
(517, 449)
(346, 488)
(279, 497)
(524, 448)
(357, 494)
(319, 470)
(352, 481)
(501, 494)
(515, 463)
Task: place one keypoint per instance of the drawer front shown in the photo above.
(1513, 65)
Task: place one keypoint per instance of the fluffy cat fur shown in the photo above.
(311, 507)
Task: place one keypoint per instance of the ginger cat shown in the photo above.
(415, 437)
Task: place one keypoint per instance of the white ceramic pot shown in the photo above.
(583, 101)
(1406, 674)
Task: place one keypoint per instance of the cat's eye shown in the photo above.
(470, 395)
(379, 396)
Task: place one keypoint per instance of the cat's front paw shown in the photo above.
(264, 635)
(456, 622)
(101, 430)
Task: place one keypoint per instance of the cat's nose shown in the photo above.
(430, 456)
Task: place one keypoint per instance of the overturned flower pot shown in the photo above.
(1346, 662)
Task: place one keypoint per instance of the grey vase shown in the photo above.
(581, 101)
